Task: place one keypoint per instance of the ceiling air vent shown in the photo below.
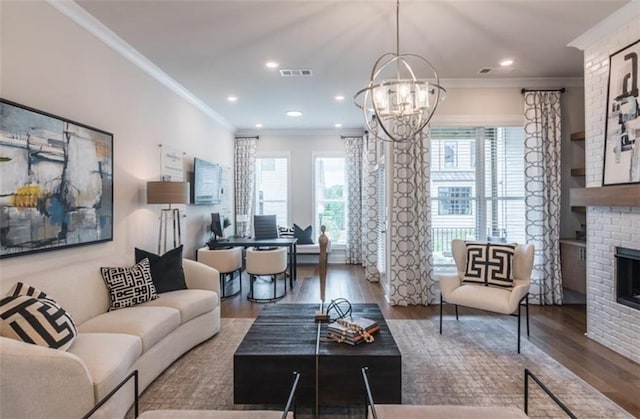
(484, 70)
(296, 72)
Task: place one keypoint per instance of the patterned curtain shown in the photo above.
(369, 211)
(411, 268)
(244, 178)
(542, 127)
(353, 167)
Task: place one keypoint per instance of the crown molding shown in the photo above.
(92, 25)
(300, 132)
(512, 83)
(607, 26)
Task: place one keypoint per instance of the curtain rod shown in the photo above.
(257, 137)
(343, 137)
(561, 90)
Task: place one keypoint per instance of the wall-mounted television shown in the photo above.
(207, 182)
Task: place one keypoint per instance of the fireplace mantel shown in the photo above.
(606, 196)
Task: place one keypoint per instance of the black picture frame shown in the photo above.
(56, 182)
(621, 161)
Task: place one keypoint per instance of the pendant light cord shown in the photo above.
(398, 37)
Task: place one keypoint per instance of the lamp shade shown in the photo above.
(167, 192)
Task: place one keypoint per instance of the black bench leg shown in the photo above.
(441, 303)
(457, 312)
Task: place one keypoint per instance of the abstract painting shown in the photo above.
(622, 134)
(56, 182)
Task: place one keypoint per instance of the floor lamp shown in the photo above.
(168, 193)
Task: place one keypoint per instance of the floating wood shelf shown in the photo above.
(606, 196)
(580, 209)
(578, 136)
(578, 171)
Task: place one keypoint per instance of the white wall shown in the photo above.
(52, 64)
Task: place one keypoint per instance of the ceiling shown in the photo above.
(219, 48)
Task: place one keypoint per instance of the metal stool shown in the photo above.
(267, 262)
(225, 261)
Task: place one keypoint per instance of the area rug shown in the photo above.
(473, 363)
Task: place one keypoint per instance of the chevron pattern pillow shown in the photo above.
(29, 315)
(129, 286)
(489, 264)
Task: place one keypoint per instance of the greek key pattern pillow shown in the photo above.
(129, 286)
(285, 232)
(489, 264)
(29, 315)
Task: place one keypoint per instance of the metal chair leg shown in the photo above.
(527, 307)
(457, 312)
(441, 303)
(518, 327)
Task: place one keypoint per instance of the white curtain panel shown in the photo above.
(411, 268)
(542, 126)
(369, 210)
(353, 167)
(245, 179)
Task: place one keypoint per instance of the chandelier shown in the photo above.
(402, 103)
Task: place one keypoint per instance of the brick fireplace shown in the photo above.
(609, 228)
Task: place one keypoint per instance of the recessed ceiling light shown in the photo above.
(294, 113)
(272, 64)
(258, 125)
(338, 125)
(232, 98)
(339, 97)
(506, 62)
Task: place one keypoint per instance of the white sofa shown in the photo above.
(38, 382)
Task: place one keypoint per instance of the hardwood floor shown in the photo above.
(557, 330)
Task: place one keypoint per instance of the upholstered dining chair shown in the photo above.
(227, 261)
(272, 263)
(492, 277)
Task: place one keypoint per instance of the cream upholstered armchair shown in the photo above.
(500, 296)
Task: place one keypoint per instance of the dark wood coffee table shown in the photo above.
(284, 338)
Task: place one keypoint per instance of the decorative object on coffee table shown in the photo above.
(353, 331)
(339, 308)
(323, 240)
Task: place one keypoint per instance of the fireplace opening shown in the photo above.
(628, 277)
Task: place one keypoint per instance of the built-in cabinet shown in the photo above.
(578, 169)
(573, 254)
(573, 249)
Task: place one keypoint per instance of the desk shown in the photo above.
(277, 242)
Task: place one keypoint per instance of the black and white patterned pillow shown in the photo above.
(489, 264)
(285, 232)
(29, 315)
(129, 286)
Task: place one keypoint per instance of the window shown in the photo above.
(454, 200)
(330, 198)
(272, 188)
(481, 197)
